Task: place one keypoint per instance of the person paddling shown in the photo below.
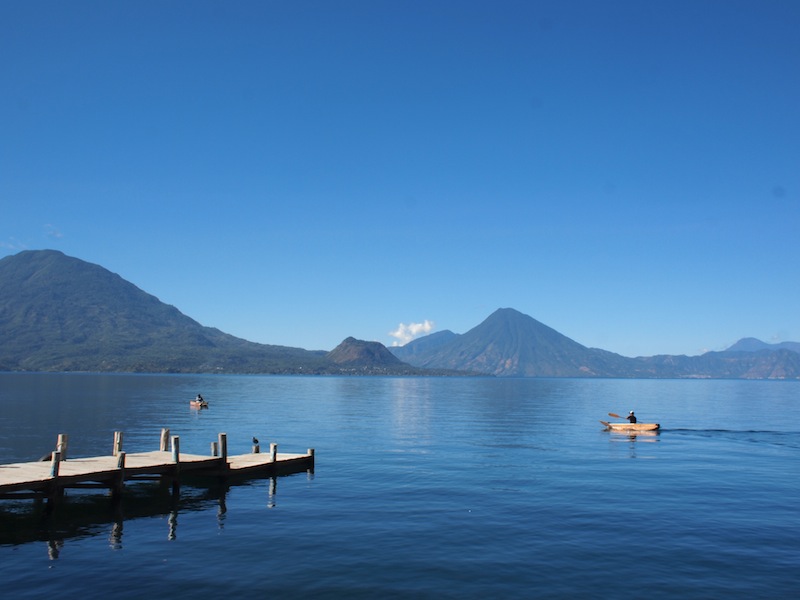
(631, 417)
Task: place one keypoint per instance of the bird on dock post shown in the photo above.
(256, 448)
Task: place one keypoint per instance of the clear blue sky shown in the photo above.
(294, 173)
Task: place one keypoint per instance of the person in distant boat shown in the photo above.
(631, 417)
(199, 398)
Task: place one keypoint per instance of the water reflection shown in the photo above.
(634, 438)
(173, 525)
(85, 515)
(115, 538)
(273, 491)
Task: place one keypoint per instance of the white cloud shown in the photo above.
(405, 333)
(51, 232)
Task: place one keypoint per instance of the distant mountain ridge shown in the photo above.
(755, 345)
(59, 313)
(511, 344)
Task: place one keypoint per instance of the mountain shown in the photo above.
(754, 345)
(423, 345)
(358, 357)
(59, 313)
(765, 364)
(509, 343)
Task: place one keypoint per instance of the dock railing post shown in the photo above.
(164, 439)
(273, 452)
(117, 443)
(310, 470)
(61, 445)
(54, 491)
(119, 482)
(176, 449)
(223, 452)
(214, 449)
(176, 458)
(55, 462)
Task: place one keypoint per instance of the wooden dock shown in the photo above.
(50, 478)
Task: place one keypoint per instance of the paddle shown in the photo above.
(614, 415)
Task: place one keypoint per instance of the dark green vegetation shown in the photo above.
(63, 314)
(59, 313)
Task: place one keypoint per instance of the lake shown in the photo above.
(423, 488)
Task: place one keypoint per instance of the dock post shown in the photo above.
(176, 458)
(61, 445)
(119, 481)
(256, 449)
(273, 452)
(223, 453)
(176, 449)
(54, 491)
(310, 470)
(164, 439)
(55, 462)
(223, 447)
(117, 443)
(214, 449)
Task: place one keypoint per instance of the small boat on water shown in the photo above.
(631, 426)
(198, 403)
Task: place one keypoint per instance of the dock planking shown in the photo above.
(51, 478)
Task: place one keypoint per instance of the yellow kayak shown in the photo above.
(631, 426)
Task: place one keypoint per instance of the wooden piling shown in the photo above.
(117, 443)
(164, 439)
(176, 449)
(54, 489)
(61, 445)
(55, 463)
(273, 452)
(119, 481)
(223, 447)
(176, 458)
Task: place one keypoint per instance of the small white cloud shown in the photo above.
(52, 232)
(405, 333)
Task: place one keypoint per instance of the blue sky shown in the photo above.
(294, 173)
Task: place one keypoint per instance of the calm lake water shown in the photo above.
(423, 488)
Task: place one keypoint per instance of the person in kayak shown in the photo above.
(631, 417)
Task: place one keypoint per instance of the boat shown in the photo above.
(631, 426)
(198, 403)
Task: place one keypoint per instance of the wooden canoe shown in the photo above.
(198, 403)
(631, 426)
